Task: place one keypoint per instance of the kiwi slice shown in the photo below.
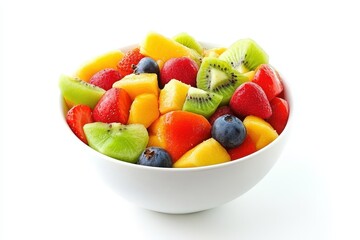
(201, 102)
(219, 77)
(245, 55)
(76, 91)
(123, 142)
(188, 41)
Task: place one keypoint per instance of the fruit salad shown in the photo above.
(172, 102)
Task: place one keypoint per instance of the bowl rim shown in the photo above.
(288, 97)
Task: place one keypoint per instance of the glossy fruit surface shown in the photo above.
(136, 84)
(76, 91)
(106, 60)
(183, 69)
(250, 99)
(247, 147)
(147, 65)
(207, 153)
(105, 78)
(126, 65)
(268, 79)
(172, 96)
(179, 131)
(77, 117)
(229, 131)
(260, 131)
(116, 140)
(220, 111)
(144, 109)
(280, 115)
(159, 47)
(113, 107)
(155, 157)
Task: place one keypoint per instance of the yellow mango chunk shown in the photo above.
(172, 96)
(107, 60)
(162, 48)
(136, 84)
(156, 131)
(260, 131)
(214, 52)
(209, 152)
(144, 109)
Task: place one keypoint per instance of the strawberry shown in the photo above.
(269, 80)
(105, 78)
(246, 148)
(220, 112)
(113, 106)
(280, 115)
(183, 69)
(250, 99)
(77, 117)
(129, 61)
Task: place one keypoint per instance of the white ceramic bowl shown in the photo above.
(179, 191)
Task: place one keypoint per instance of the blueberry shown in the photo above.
(147, 65)
(155, 157)
(229, 131)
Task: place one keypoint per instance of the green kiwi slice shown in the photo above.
(245, 55)
(76, 91)
(188, 41)
(201, 102)
(219, 77)
(123, 142)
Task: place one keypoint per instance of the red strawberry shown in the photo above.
(280, 115)
(246, 148)
(77, 117)
(220, 112)
(105, 78)
(250, 99)
(183, 69)
(130, 59)
(113, 106)
(268, 79)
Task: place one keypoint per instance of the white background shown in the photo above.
(50, 191)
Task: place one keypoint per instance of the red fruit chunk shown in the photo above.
(105, 78)
(268, 79)
(113, 106)
(250, 99)
(183, 69)
(246, 148)
(77, 117)
(178, 132)
(280, 115)
(220, 112)
(130, 59)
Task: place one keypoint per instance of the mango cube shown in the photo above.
(144, 109)
(260, 131)
(136, 84)
(162, 48)
(107, 60)
(209, 152)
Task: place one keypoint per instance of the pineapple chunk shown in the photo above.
(136, 84)
(172, 96)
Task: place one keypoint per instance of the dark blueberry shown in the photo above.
(229, 131)
(155, 157)
(147, 65)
